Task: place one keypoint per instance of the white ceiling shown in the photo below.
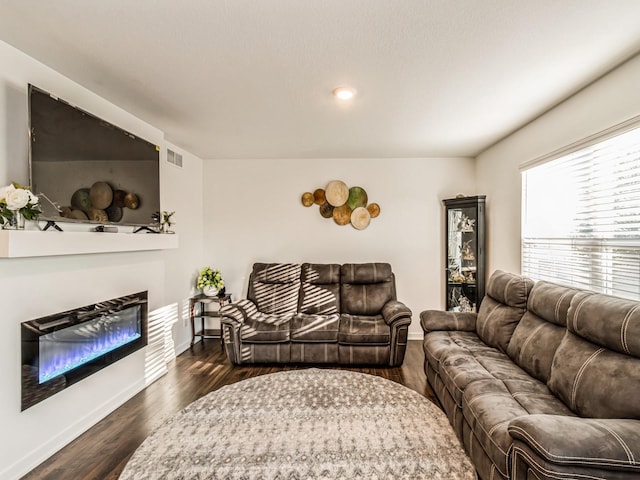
(253, 78)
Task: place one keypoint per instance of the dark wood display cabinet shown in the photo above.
(465, 253)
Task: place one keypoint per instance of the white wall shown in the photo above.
(253, 213)
(182, 193)
(34, 287)
(609, 101)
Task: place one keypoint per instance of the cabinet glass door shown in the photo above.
(464, 253)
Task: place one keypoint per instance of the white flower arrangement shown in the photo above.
(210, 278)
(16, 198)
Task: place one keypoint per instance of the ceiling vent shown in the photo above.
(174, 158)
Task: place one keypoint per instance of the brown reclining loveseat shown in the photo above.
(318, 313)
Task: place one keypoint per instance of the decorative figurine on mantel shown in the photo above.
(166, 222)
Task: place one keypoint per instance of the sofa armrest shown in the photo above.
(438, 320)
(576, 442)
(237, 312)
(393, 311)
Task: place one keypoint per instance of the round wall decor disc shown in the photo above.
(101, 195)
(78, 215)
(342, 214)
(326, 210)
(114, 213)
(98, 215)
(337, 193)
(360, 218)
(374, 209)
(307, 199)
(118, 198)
(131, 201)
(80, 200)
(357, 197)
(319, 196)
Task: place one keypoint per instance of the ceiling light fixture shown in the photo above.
(344, 93)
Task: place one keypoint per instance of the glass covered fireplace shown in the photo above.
(61, 349)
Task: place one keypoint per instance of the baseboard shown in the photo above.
(181, 348)
(415, 336)
(44, 451)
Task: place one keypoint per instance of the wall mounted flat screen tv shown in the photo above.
(87, 170)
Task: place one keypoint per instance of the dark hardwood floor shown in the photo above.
(103, 451)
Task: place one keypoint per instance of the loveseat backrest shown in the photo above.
(543, 326)
(275, 287)
(320, 289)
(502, 308)
(366, 287)
(596, 368)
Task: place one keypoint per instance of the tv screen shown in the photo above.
(87, 170)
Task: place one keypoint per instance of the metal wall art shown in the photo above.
(345, 205)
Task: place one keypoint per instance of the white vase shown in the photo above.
(210, 291)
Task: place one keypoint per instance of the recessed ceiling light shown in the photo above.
(344, 93)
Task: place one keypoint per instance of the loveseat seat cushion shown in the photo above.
(539, 333)
(363, 330)
(320, 292)
(315, 328)
(266, 328)
(274, 287)
(502, 308)
(366, 288)
(489, 406)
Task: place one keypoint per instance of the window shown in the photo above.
(581, 216)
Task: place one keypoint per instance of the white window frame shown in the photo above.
(605, 258)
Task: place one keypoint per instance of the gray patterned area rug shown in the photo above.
(304, 424)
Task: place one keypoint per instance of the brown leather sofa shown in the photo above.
(318, 313)
(543, 383)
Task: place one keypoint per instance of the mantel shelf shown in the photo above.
(34, 243)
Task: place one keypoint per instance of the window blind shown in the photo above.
(581, 217)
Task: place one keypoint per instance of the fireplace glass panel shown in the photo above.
(74, 346)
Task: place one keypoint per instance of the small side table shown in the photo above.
(202, 300)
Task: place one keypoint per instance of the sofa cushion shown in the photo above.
(363, 330)
(594, 381)
(315, 328)
(596, 369)
(274, 287)
(320, 291)
(580, 445)
(607, 321)
(366, 288)
(489, 406)
(502, 308)
(439, 345)
(366, 273)
(539, 333)
(266, 328)
(485, 363)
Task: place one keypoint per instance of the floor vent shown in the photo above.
(174, 158)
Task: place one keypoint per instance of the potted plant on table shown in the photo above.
(210, 282)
